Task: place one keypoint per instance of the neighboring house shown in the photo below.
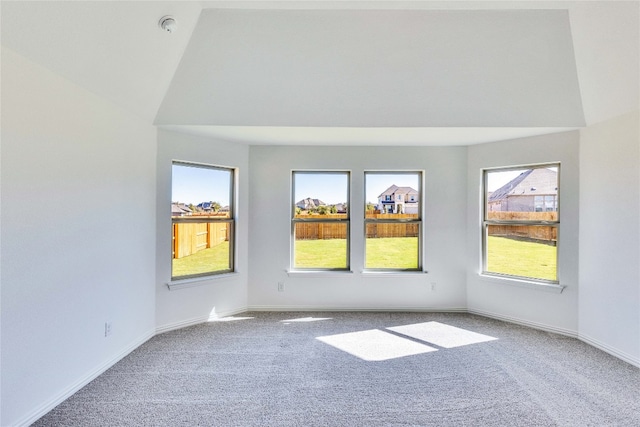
(534, 190)
(207, 206)
(309, 203)
(398, 200)
(180, 209)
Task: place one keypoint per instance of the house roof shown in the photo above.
(539, 181)
(394, 189)
(310, 203)
(179, 208)
(343, 75)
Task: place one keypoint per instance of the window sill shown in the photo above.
(521, 283)
(382, 273)
(174, 285)
(317, 273)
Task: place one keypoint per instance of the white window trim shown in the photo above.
(177, 281)
(387, 272)
(521, 281)
(393, 273)
(307, 272)
(174, 285)
(318, 273)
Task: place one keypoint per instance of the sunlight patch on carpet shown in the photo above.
(441, 335)
(375, 345)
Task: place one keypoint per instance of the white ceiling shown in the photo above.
(116, 50)
(377, 68)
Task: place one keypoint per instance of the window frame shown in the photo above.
(486, 222)
(322, 219)
(418, 221)
(230, 221)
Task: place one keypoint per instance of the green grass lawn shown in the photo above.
(388, 252)
(392, 252)
(505, 256)
(204, 261)
(330, 253)
(518, 258)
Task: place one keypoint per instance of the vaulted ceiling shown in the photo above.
(341, 72)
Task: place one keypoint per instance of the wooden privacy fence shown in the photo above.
(189, 238)
(325, 230)
(525, 232)
(387, 229)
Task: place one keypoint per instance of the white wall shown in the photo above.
(444, 221)
(78, 236)
(502, 298)
(215, 297)
(610, 236)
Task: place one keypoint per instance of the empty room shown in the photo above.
(310, 213)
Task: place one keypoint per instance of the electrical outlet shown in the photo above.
(107, 329)
(280, 286)
(433, 286)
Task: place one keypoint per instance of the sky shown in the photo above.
(193, 185)
(497, 179)
(331, 188)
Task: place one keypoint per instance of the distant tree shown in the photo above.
(216, 206)
(370, 206)
(333, 209)
(323, 210)
(298, 210)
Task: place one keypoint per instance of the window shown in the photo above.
(202, 217)
(520, 222)
(320, 220)
(546, 203)
(393, 220)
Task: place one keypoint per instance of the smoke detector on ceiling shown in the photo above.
(168, 24)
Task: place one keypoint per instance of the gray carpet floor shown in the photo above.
(358, 369)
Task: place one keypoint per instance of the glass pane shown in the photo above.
(392, 246)
(396, 194)
(321, 193)
(522, 250)
(201, 247)
(512, 194)
(201, 191)
(320, 245)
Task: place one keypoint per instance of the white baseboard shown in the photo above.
(334, 308)
(197, 320)
(635, 361)
(64, 394)
(517, 321)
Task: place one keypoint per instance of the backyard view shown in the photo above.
(521, 218)
(517, 258)
(320, 220)
(201, 211)
(204, 261)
